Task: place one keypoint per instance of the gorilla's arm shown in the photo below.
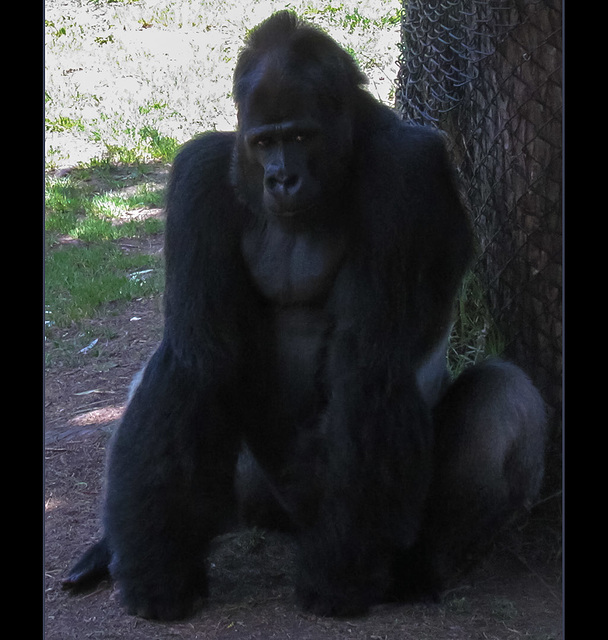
(181, 431)
(393, 305)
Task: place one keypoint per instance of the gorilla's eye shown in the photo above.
(300, 137)
(262, 143)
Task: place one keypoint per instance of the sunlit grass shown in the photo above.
(73, 208)
(131, 80)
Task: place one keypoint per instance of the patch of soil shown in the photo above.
(513, 595)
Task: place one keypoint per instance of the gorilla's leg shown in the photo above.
(488, 465)
(170, 486)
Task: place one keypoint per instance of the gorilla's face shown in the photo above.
(294, 150)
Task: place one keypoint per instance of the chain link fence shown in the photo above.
(488, 73)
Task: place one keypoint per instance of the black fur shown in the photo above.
(313, 258)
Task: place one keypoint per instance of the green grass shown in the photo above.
(88, 212)
(73, 208)
(80, 279)
(474, 335)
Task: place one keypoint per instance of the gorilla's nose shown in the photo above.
(282, 186)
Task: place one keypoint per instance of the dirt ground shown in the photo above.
(515, 594)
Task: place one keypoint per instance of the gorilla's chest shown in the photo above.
(295, 272)
(293, 267)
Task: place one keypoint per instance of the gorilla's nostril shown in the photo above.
(281, 185)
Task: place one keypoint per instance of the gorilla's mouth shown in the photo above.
(291, 213)
(296, 212)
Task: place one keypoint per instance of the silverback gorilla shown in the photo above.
(312, 262)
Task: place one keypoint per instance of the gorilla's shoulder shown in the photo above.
(422, 142)
(395, 144)
(200, 177)
(210, 148)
